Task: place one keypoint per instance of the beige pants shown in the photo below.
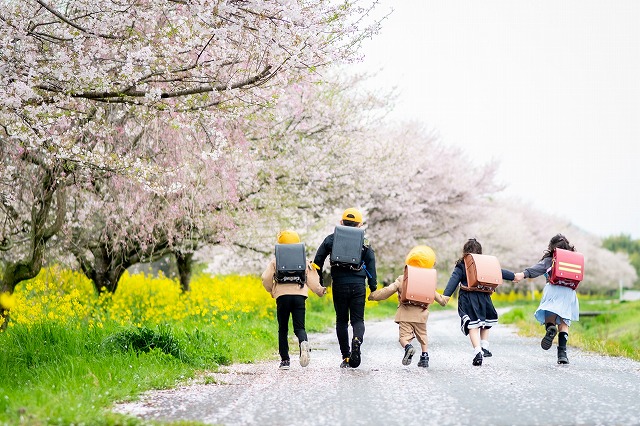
(409, 330)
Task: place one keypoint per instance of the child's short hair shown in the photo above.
(288, 237)
(421, 257)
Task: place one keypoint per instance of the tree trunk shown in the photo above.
(106, 271)
(109, 264)
(41, 232)
(185, 264)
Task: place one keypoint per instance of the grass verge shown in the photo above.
(610, 327)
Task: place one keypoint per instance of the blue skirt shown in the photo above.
(560, 301)
(476, 310)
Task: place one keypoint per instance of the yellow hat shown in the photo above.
(288, 237)
(352, 214)
(421, 257)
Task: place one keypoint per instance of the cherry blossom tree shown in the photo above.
(412, 189)
(32, 211)
(64, 63)
(235, 198)
(116, 222)
(71, 71)
(417, 190)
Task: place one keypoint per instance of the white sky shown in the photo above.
(549, 89)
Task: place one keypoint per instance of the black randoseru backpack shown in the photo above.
(291, 262)
(348, 242)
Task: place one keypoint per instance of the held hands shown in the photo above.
(445, 300)
(519, 276)
(372, 295)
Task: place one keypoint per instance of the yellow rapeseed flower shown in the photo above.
(7, 301)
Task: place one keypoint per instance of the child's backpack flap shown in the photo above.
(483, 272)
(348, 242)
(418, 286)
(290, 264)
(567, 268)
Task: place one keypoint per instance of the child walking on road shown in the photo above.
(559, 304)
(349, 282)
(290, 302)
(476, 310)
(411, 319)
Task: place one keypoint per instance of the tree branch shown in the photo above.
(69, 22)
(164, 95)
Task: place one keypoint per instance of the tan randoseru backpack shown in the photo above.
(483, 272)
(418, 286)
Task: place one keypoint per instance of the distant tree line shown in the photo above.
(625, 244)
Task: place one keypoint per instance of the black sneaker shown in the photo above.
(408, 354)
(562, 356)
(354, 359)
(345, 363)
(486, 353)
(424, 361)
(547, 340)
(284, 364)
(477, 360)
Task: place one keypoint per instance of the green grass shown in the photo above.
(60, 375)
(613, 330)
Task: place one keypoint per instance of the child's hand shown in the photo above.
(519, 276)
(370, 297)
(445, 300)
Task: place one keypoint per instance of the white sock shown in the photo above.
(484, 344)
(478, 349)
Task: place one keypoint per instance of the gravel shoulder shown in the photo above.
(520, 385)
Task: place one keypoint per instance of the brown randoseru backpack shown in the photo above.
(483, 272)
(348, 243)
(567, 268)
(418, 286)
(291, 264)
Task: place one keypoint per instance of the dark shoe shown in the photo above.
(562, 356)
(477, 360)
(304, 353)
(408, 354)
(486, 353)
(424, 361)
(345, 363)
(284, 364)
(547, 340)
(354, 359)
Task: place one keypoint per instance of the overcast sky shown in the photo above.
(549, 89)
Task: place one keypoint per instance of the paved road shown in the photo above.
(520, 385)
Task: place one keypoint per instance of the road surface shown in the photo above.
(520, 385)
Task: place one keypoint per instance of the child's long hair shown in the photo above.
(471, 246)
(557, 241)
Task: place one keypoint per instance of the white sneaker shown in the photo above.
(304, 353)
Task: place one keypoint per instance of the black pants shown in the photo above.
(348, 301)
(293, 305)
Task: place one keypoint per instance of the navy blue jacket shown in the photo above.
(346, 275)
(459, 276)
